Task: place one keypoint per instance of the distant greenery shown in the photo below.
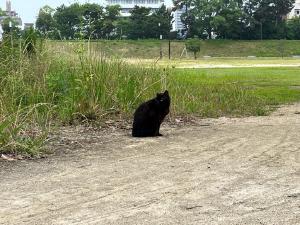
(236, 19)
(230, 19)
(293, 29)
(92, 21)
(89, 21)
(193, 45)
(143, 24)
(150, 49)
(13, 30)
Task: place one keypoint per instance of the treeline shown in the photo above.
(205, 19)
(240, 19)
(93, 21)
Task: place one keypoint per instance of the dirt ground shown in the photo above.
(215, 62)
(217, 171)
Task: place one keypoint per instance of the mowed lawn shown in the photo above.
(234, 91)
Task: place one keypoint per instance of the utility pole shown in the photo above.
(160, 38)
(261, 30)
(169, 48)
(169, 14)
(186, 21)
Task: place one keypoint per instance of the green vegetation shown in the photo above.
(149, 49)
(54, 88)
(193, 45)
(237, 19)
(39, 91)
(77, 21)
(230, 19)
(233, 92)
(293, 29)
(92, 21)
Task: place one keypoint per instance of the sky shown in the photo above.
(28, 9)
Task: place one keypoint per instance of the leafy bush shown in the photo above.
(293, 29)
(193, 45)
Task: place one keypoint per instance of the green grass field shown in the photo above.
(233, 92)
(149, 49)
(57, 89)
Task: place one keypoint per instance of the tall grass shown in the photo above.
(22, 127)
(52, 87)
(91, 89)
(38, 91)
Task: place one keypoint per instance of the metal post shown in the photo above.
(160, 48)
(169, 48)
(11, 42)
(261, 35)
(170, 9)
(186, 21)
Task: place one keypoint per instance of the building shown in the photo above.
(9, 13)
(8, 6)
(1, 33)
(128, 5)
(177, 24)
(295, 11)
(28, 25)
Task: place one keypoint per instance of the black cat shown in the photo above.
(149, 116)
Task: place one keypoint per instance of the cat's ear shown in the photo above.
(166, 92)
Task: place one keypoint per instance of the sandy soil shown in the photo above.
(218, 171)
(224, 66)
(207, 63)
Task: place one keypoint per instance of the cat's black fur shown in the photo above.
(149, 116)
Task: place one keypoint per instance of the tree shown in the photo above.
(204, 18)
(122, 27)
(236, 19)
(89, 21)
(164, 19)
(45, 22)
(93, 19)
(68, 21)
(293, 29)
(225, 19)
(1, 12)
(110, 20)
(204, 12)
(194, 46)
(145, 24)
(228, 24)
(269, 16)
(13, 29)
(139, 20)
